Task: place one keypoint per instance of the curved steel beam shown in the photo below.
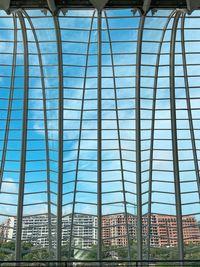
(187, 91)
(153, 130)
(174, 137)
(138, 138)
(45, 129)
(79, 138)
(99, 138)
(119, 137)
(19, 219)
(60, 138)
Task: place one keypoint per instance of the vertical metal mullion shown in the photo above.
(10, 102)
(138, 139)
(187, 92)
(46, 130)
(99, 139)
(152, 134)
(19, 220)
(174, 138)
(119, 138)
(60, 139)
(80, 132)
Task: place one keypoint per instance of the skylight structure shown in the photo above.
(99, 131)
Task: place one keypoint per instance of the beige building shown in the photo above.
(167, 231)
(163, 230)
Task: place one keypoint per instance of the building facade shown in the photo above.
(36, 231)
(6, 230)
(163, 230)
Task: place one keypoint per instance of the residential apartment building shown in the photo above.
(114, 229)
(163, 231)
(166, 227)
(36, 230)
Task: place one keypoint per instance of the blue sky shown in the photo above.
(75, 28)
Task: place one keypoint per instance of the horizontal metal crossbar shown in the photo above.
(144, 263)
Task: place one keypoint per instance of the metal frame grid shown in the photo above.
(99, 117)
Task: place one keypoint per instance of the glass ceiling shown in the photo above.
(99, 134)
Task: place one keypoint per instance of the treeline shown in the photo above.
(34, 253)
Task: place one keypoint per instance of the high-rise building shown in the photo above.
(35, 230)
(163, 231)
(166, 230)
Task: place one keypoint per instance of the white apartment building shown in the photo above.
(36, 230)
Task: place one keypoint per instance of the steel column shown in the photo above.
(99, 139)
(174, 138)
(60, 140)
(19, 219)
(138, 139)
(152, 133)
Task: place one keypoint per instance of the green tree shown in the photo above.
(39, 254)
